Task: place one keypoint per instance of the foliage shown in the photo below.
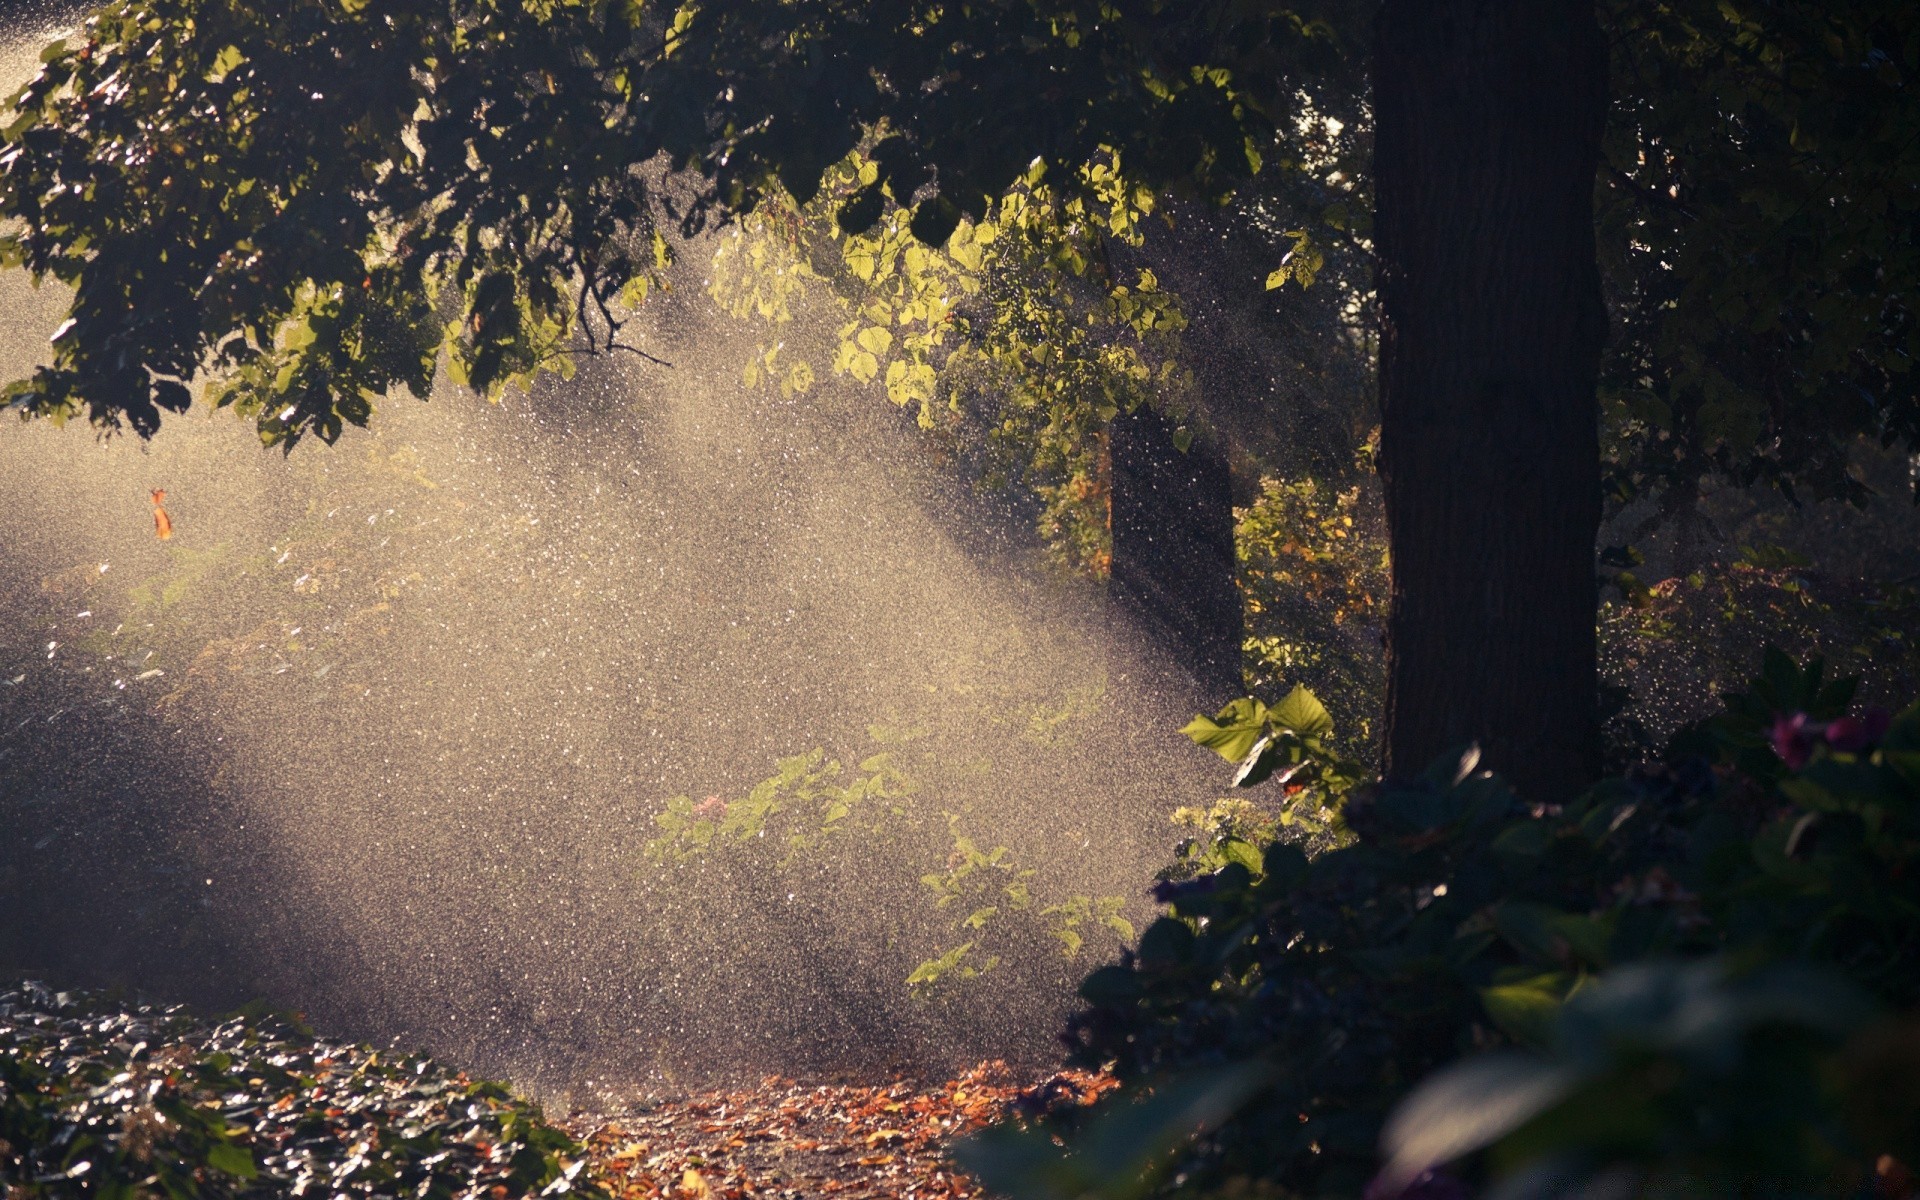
(100, 1097)
(1313, 574)
(313, 200)
(1681, 1078)
(815, 821)
(1014, 344)
(1757, 235)
(1314, 579)
(1458, 919)
(1671, 646)
(1287, 743)
(306, 201)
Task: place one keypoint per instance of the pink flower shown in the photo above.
(1792, 739)
(1851, 735)
(712, 806)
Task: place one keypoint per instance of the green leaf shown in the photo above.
(1245, 853)
(1110, 987)
(1259, 764)
(1526, 1010)
(1284, 863)
(234, 1159)
(225, 61)
(1233, 731)
(1903, 735)
(979, 917)
(1551, 935)
(1525, 839)
(1303, 713)
(930, 972)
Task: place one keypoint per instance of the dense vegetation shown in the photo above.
(481, 190)
(1674, 981)
(1703, 969)
(104, 1097)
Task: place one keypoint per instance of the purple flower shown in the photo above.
(1854, 734)
(1792, 739)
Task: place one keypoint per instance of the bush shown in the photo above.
(104, 1098)
(1628, 941)
(966, 909)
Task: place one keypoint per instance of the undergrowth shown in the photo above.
(1687, 981)
(104, 1097)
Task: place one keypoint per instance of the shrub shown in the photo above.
(105, 1098)
(967, 908)
(1779, 836)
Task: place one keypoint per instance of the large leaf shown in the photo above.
(1466, 1108)
(1303, 713)
(1233, 731)
(1526, 1009)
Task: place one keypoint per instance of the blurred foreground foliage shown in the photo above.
(101, 1097)
(1698, 978)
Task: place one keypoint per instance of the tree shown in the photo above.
(1173, 560)
(311, 201)
(1489, 116)
(1758, 191)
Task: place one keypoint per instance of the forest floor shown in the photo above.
(787, 1140)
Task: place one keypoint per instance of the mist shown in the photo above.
(383, 732)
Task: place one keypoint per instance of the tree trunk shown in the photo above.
(1488, 124)
(1173, 561)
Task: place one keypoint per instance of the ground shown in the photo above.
(788, 1140)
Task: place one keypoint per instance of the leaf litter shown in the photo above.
(785, 1140)
(102, 1095)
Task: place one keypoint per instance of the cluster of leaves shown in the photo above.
(313, 200)
(1287, 743)
(1780, 836)
(1669, 646)
(1757, 237)
(815, 820)
(1313, 577)
(1014, 343)
(105, 1098)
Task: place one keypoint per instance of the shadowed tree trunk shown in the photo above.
(1489, 116)
(1173, 555)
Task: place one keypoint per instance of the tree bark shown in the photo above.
(1173, 573)
(1488, 122)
